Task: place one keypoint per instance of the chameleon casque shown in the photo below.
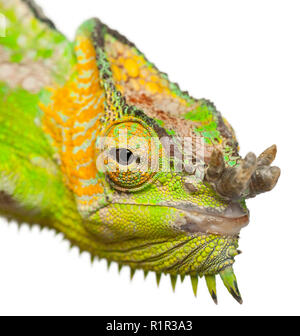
(76, 123)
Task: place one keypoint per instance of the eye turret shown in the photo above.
(129, 155)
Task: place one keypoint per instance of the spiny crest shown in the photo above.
(227, 275)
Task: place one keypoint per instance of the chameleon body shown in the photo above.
(79, 122)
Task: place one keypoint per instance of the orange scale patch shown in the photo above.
(86, 153)
(86, 172)
(69, 101)
(88, 191)
(87, 114)
(86, 66)
(87, 80)
(84, 45)
(81, 138)
(77, 130)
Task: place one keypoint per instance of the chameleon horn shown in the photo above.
(265, 177)
(216, 166)
(252, 177)
(267, 157)
(235, 181)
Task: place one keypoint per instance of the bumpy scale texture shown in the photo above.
(64, 106)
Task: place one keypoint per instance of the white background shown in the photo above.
(245, 57)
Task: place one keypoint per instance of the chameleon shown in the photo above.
(93, 145)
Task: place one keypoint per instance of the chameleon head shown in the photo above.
(174, 183)
(156, 174)
(171, 209)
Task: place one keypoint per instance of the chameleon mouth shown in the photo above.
(203, 223)
(197, 220)
(228, 223)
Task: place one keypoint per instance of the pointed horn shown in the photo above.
(216, 166)
(146, 274)
(267, 157)
(229, 279)
(212, 287)
(265, 177)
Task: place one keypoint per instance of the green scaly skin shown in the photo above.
(142, 224)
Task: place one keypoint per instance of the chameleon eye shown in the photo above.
(129, 155)
(123, 156)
